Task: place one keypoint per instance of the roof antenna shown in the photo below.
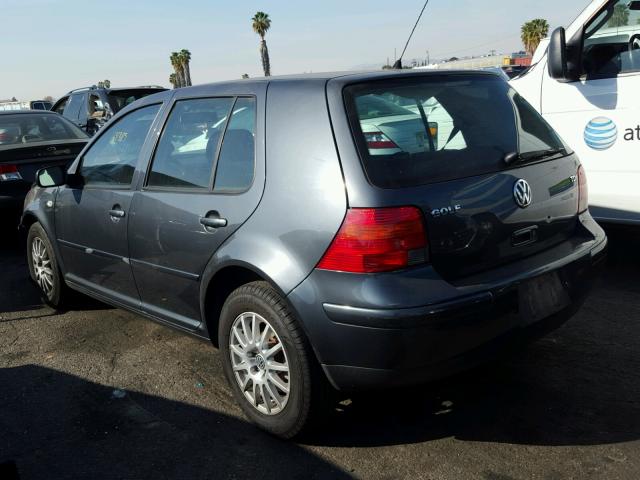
(398, 64)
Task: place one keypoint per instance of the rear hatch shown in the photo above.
(494, 182)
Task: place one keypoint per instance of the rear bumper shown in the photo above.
(365, 347)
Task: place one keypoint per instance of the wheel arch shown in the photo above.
(218, 284)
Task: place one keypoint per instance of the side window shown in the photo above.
(82, 111)
(72, 109)
(112, 159)
(612, 41)
(187, 149)
(234, 172)
(61, 107)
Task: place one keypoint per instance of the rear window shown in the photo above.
(118, 99)
(418, 130)
(32, 128)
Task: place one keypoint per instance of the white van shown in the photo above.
(585, 81)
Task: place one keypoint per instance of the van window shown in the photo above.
(189, 144)
(612, 41)
(441, 127)
(234, 172)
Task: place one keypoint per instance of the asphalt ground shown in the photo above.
(97, 392)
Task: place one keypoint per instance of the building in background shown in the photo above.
(517, 59)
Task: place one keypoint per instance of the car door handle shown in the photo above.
(213, 222)
(116, 212)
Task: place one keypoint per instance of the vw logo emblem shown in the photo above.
(260, 362)
(522, 193)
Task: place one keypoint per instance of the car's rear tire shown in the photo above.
(43, 267)
(268, 362)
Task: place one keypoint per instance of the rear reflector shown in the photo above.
(377, 240)
(583, 190)
(377, 140)
(9, 172)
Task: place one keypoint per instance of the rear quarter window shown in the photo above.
(418, 130)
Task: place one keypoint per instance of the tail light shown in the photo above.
(4, 136)
(583, 190)
(377, 240)
(9, 172)
(376, 140)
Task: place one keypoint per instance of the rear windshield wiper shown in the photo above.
(516, 157)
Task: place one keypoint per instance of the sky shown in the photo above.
(53, 46)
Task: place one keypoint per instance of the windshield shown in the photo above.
(440, 127)
(32, 128)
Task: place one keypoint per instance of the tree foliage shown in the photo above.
(532, 33)
(620, 17)
(180, 61)
(185, 59)
(261, 24)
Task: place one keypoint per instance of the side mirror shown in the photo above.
(56, 176)
(51, 176)
(557, 55)
(563, 61)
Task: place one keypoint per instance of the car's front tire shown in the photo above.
(43, 266)
(267, 361)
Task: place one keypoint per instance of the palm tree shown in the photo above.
(173, 80)
(262, 23)
(175, 63)
(532, 32)
(620, 17)
(185, 58)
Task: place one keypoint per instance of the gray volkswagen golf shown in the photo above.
(327, 232)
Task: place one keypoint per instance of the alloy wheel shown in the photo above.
(42, 266)
(260, 363)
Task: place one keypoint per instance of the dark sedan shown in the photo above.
(30, 140)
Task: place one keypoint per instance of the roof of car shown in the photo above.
(143, 87)
(94, 88)
(22, 112)
(229, 86)
(355, 75)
